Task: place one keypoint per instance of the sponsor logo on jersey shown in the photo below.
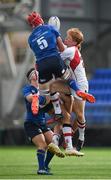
(33, 91)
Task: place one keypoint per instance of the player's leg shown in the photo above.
(35, 134)
(55, 87)
(44, 88)
(65, 119)
(79, 106)
(74, 121)
(47, 71)
(59, 70)
(61, 86)
(48, 134)
(54, 145)
(66, 107)
(81, 122)
(67, 128)
(40, 142)
(57, 132)
(70, 77)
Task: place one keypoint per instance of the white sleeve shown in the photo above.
(68, 53)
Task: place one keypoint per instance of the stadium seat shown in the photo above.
(99, 113)
(102, 74)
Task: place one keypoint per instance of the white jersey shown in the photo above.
(76, 64)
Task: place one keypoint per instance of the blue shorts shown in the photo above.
(32, 129)
(49, 67)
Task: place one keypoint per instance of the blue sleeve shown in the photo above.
(57, 34)
(42, 100)
(26, 91)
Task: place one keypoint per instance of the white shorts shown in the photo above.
(83, 87)
(79, 75)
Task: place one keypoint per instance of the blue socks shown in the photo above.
(42, 162)
(73, 85)
(41, 157)
(48, 158)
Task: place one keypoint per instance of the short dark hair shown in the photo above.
(29, 72)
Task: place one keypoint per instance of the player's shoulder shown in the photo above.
(26, 87)
(48, 26)
(71, 49)
(31, 34)
(26, 90)
(77, 50)
(44, 26)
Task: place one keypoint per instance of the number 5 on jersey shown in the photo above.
(42, 43)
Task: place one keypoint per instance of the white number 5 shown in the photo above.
(42, 43)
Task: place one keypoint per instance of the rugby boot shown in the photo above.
(48, 169)
(86, 96)
(35, 104)
(56, 150)
(73, 152)
(43, 172)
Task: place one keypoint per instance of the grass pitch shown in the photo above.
(20, 163)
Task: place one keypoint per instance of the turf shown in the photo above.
(20, 163)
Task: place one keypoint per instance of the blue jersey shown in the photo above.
(40, 117)
(43, 42)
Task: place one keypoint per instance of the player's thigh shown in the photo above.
(66, 115)
(34, 134)
(60, 86)
(45, 73)
(45, 86)
(79, 107)
(45, 77)
(58, 66)
(48, 136)
(39, 141)
(67, 101)
(73, 106)
(74, 125)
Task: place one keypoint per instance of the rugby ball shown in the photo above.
(55, 22)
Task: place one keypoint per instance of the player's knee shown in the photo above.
(42, 146)
(80, 116)
(53, 87)
(67, 118)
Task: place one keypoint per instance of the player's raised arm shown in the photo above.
(55, 22)
(60, 44)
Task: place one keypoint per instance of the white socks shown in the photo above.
(56, 103)
(55, 139)
(67, 132)
(81, 129)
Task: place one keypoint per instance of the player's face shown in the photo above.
(34, 76)
(69, 41)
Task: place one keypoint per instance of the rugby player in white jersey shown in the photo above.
(74, 40)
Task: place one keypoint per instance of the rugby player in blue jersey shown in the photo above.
(47, 44)
(35, 122)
